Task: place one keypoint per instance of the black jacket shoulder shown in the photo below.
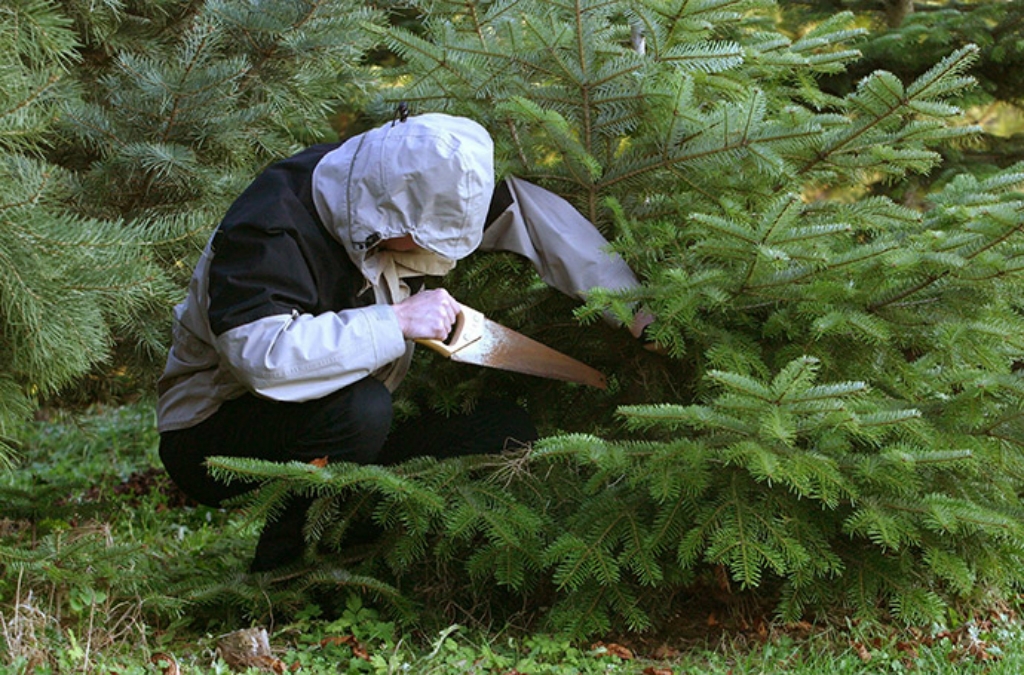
(273, 255)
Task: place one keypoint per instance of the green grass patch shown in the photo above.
(105, 567)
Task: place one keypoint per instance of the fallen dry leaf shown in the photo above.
(908, 648)
(171, 668)
(665, 651)
(965, 642)
(358, 650)
(862, 651)
(612, 650)
(272, 663)
(979, 650)
(657, 671)
(337, 640)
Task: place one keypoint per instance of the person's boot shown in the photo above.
(281, 542)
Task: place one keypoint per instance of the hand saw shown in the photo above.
(478, 340)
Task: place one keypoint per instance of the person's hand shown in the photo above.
(641, 320)
(427, 314)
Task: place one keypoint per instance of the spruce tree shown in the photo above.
(837, 423)
(185, 102)
(127, 130)
(68, 283)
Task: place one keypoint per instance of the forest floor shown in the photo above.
(106, 567)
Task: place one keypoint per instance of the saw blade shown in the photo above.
(482, 342)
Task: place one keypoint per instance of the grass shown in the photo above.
(103, 569)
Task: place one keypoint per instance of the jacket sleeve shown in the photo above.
(270, 325)
(298, 357)
(568, 252)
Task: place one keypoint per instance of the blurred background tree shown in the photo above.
(906, 37)
(71, 284)
(177, 107)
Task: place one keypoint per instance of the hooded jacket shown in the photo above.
(291, 297)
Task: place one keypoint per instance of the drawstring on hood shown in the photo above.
(430, 176)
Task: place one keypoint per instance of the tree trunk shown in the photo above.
(896, 11)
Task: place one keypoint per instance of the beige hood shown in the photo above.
(430, 176)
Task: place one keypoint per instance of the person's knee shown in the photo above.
(373, 411)
(349, 425)
(185, 465)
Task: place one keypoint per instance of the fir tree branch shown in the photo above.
(900, 100)
(933, 278)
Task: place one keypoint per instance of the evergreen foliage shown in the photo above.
(69, 283)
(909, 41)
(837, 422)
(197, 97)
(183, 103)
(127, 129)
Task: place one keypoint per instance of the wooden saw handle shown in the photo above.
(468, 328)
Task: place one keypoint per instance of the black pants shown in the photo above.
(350, 425)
